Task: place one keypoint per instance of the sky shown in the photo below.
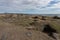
(30, 6)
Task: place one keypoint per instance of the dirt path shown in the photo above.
(12, 32)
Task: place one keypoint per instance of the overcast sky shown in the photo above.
(30, 6)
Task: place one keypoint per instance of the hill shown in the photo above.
(29, 27)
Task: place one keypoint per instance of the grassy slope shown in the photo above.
(17, 26)
(56, 25)
(26, 19)
(12, 32)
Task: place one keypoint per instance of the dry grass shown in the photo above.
(14, 27)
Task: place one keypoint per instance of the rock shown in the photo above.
(28, 34)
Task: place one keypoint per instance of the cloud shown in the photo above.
(29, 5)
(56, 5)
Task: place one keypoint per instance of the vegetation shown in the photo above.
(21, 21)
(56, 17)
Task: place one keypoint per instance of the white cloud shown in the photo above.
(21, 5)
(28, 4)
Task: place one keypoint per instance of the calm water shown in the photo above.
(51, 15)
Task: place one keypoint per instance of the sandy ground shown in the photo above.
(12, 32)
